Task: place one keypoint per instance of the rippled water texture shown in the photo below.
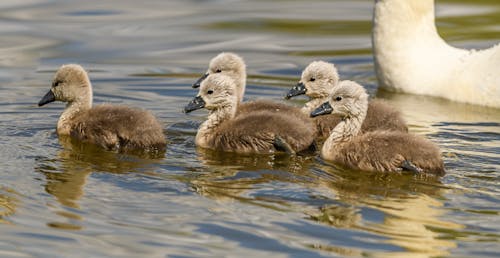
(64, 199)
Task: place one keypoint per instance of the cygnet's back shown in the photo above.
(382, 116)
(388, 151)
(119, 127)
(256, 132)
(268, 105)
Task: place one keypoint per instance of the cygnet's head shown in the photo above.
(70, 84)
(226, 63)
(317, 80)
(348, 99)
(216, 91)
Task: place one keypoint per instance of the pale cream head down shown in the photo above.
(319, 79)
(349, 99)
(72, 84)
(233, 66)
(218, 91)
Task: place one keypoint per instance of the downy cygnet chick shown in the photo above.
(381, 150)
(259, 131)
(319, 79)
(109, 126)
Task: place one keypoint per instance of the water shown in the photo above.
(59, 199)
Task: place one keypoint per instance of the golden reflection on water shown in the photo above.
(75, 162)
(8, 203)
(410, 221)
(411, 207)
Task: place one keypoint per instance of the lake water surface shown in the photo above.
(59, 199)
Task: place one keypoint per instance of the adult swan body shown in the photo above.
(410, 56)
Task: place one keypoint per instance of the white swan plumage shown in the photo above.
(411, 57)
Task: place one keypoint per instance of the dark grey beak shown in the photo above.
(195, 104)
(197, 83)
(299, 89)
(49, 97)
(324, 109)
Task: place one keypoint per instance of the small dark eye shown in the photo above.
(210, 92)
(312, 79)
(56, 83)
(218, 70)
(338, 98)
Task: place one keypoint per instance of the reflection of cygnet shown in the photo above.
(319, 79)
(109, 126)
(259, 131)
(383, 151)
(410, 56)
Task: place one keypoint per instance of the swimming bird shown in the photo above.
(319, 79)
(382, 150)
(411, 57)
(234, 66)
(261, 131)
(113, 127)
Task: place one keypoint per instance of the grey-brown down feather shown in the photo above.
(382, 116)
(255, 132)
(273, 107)
(387, 150)
(119, 128)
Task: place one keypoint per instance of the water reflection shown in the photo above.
(425, 111)
(67, 174)
(8, 203)
(405, 208)
(412, 223)
(230, 175)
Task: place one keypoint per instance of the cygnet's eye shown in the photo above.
(56, 83)
(312, 79)
(210, 92)
(338, 98)
(218, 70)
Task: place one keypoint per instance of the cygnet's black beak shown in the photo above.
(195, 104)
(324, 109)
(49, 97)
(299, 89)
(197, 83)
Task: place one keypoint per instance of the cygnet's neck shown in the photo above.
(312, 104)
(215, 118)
(347, 129)
(72, 109)
(241, 86)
